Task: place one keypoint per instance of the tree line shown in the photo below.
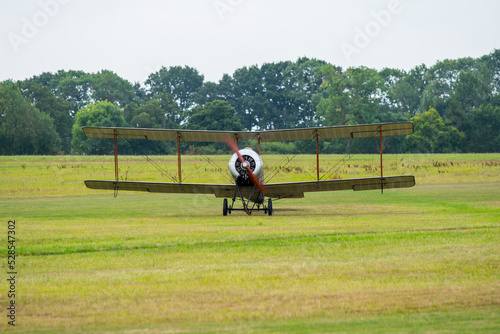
(455, 106)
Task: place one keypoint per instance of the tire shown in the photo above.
(224, 207)
(270, 207)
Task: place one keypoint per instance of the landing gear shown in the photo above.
(224, 207)
(268, 210)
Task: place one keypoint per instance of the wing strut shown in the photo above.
(317, 155)
(258, 144)
(179, 167)
(381, 163)
(115, 142)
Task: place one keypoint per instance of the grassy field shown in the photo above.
(420, 260)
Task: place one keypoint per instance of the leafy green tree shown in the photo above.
(473, 89)
(287, 92)
(441, 80)
(215, 115)
(483, 129)
(408, 89)
(160, 111)
(209, 92)
(74, 87)
(23, 128)
(71, 86)
(353, 96)
(108, 86)
(102, 113)
(432, 135)
(182, 83)
(492, 61)
(276, 95)
(246, 95)
(46, 79)
(140, 92)
(44, 100)
(306, 76)
(80, 88)
(495, 100)
(278, 111)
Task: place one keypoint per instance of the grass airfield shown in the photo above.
(422, 260)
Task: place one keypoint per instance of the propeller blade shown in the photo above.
(255, 180)
(234, 147)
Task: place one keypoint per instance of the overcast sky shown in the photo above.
(135, 38)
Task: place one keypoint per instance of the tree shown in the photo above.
(276, 95)
(209, 92)
(182, 83)
(215, 115)
(441, 80)
(353, 96)
(107, 86)
(80, 88)
(246, 97)
(483, 130)
(102, 113)
(307, 80)
(23, 128)
(432, 135)
(407, 92)
(492, 61)
(74, 87)
(472, 89)
(161, 111)
(42, 98)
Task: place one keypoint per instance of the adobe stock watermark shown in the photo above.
(48, 9)
(372, 29)
(222, 7)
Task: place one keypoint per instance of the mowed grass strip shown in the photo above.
(281, 278)
(417, 259)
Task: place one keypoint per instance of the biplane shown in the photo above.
(246, 166)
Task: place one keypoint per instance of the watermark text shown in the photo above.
(222, 7)
(11, 272)
(31, 27)
(363, 36)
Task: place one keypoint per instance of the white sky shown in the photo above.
(135, 38)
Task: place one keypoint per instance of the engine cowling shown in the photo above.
(239, 172)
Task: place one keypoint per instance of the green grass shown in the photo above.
(423, 259)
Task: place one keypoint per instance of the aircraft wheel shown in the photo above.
(270, 207)
(224, 207)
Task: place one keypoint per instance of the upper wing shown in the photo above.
(353, 131)
(219, 190)
(297, 189)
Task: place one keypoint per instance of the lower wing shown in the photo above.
(297, 189)
(274, 190)
(219, 190)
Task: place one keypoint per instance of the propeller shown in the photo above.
(255, 180)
